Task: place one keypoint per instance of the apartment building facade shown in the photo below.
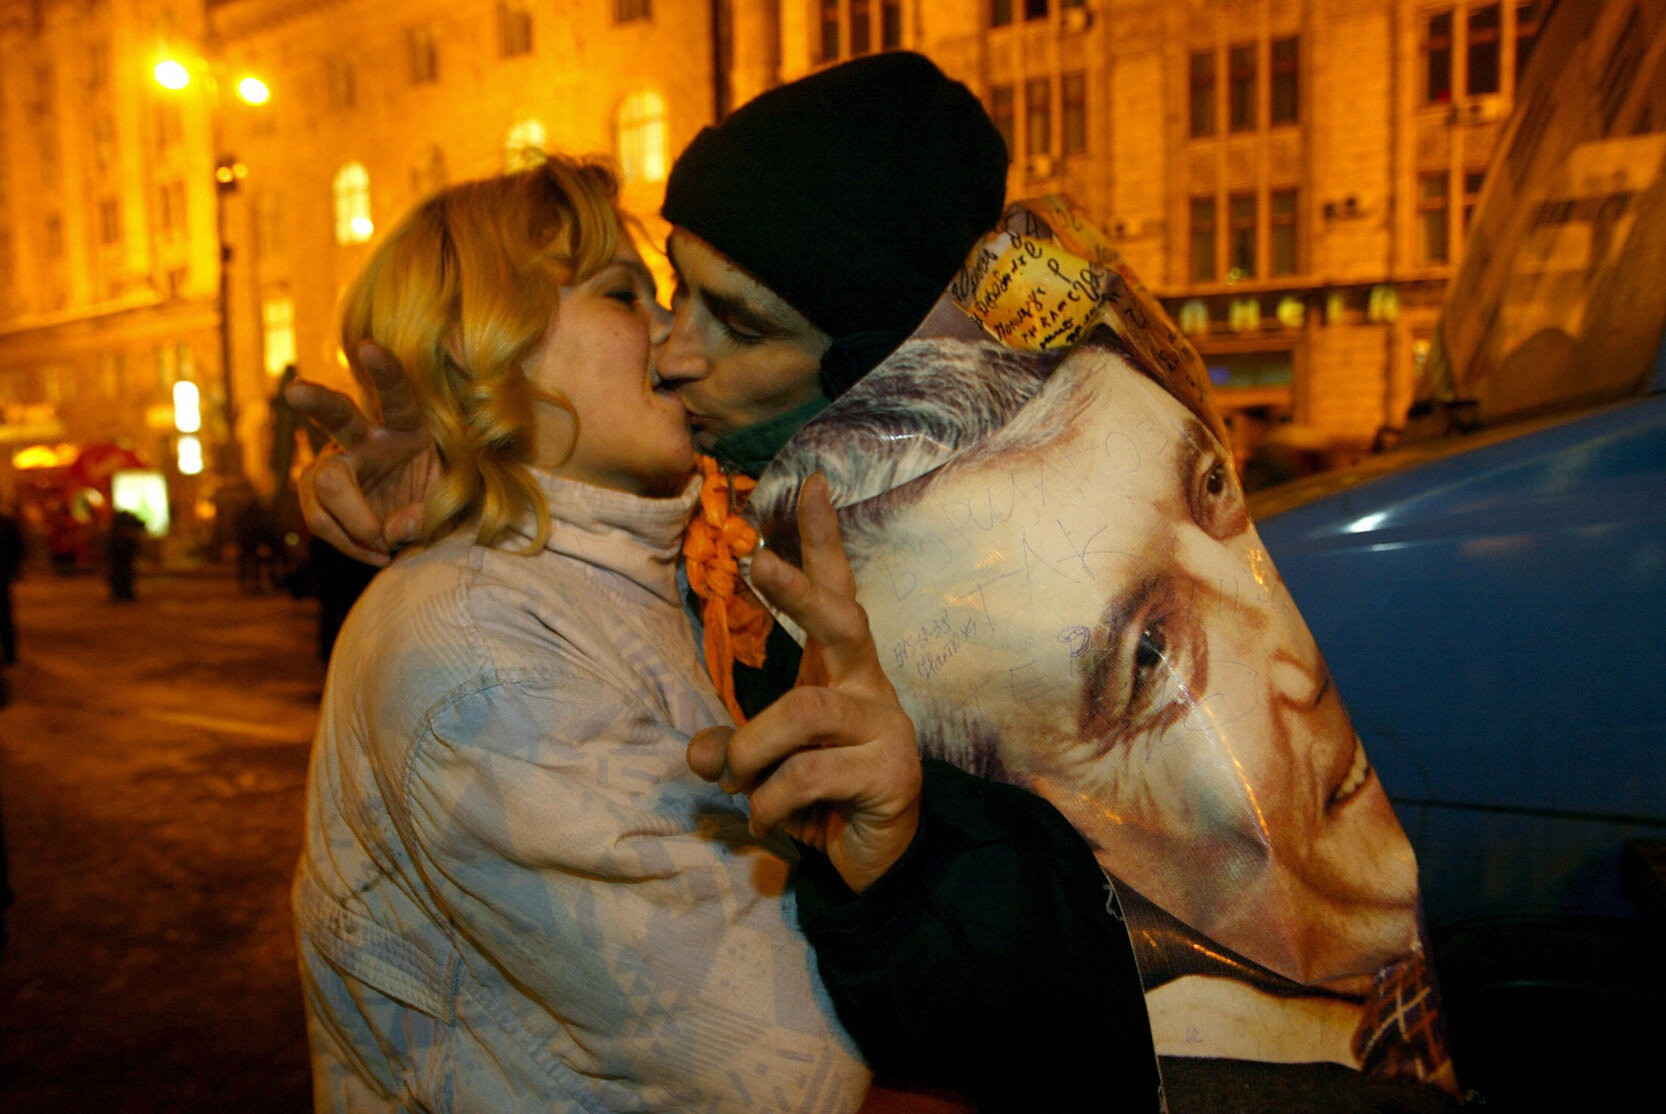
(1291, 176)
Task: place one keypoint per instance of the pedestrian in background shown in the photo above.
(11, 560)
(126, 530)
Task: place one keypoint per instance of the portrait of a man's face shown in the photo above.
(1066, 589)
(1085, 591)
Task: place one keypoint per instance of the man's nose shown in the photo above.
(677, 354)
(1297, 670)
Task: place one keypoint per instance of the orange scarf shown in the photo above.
(736, 622)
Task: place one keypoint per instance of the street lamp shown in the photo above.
(229, 173)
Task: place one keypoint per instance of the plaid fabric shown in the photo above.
(1400, 1034)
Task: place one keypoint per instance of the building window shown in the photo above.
(525, 146)
(8, 263)
(1003, 113)
(629, 11)
(109, 221)
(170, 125)
(514, 30)
(1285, 99)
(1437, 58)
(1038, 116)
(352, 204)
(1035, 9)
(847, 27)
(170, 208)
(640, 134)
(1203, 239)
(829, 30)
(1473, 181)
(1203, 92)
(1000, 13)
(53, 241)
(890, 24)
(1432, 209)
(341, 84)
(423, 54)
(429, 176)
(1240, 92)
(1282, 245)
(861, 28)
(1483, 52)
(277, 317)
(1073, 109)
(1529, 19)
(1240, 242)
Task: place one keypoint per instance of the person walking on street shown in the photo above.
(11, 560)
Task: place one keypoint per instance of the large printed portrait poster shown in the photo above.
(1069, 595)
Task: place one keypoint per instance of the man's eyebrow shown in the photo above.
(736, 310)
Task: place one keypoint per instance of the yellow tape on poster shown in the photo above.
(1048, 276)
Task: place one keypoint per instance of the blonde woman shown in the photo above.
(514, 894)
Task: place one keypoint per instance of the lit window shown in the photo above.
(1240, 99)
(525, 147)
(1073, 104)
(1482, 56)
(847, 28)
(1437, 58)
(1285, 97)
(829, 30)
(1203, 92)
(1432, 207)
(352, 205)
(277, 317)
(1203, 239)
(641, 138)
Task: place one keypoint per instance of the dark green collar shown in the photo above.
(752, 448)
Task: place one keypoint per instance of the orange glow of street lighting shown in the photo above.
(171, 74)
(253, 91)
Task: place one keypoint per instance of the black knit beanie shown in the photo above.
(854, 193)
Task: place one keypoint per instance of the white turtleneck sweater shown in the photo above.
(514, 894)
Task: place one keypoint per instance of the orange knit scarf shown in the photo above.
(736, 622)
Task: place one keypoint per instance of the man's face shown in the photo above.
(737, 354)
(1104, 605)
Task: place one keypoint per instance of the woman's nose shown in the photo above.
(677, 355)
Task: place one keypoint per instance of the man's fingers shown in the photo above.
(335, 413)
(396, 400)
(708, 750)
(823, 551)
(349, 525)
(804, 718)
(834, 620)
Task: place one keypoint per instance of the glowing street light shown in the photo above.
(253, 91)
(171, 74)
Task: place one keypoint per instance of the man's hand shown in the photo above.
(365, 498)
(833, 762)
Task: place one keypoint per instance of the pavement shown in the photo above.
(152, 770)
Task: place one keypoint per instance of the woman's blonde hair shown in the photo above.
(461, 292)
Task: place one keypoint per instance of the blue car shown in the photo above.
(1491, 598)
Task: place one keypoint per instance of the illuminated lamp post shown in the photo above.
(228, 175)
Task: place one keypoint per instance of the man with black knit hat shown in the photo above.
(813, 230)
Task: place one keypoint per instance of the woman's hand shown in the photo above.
(364, 497)
(833, 762)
